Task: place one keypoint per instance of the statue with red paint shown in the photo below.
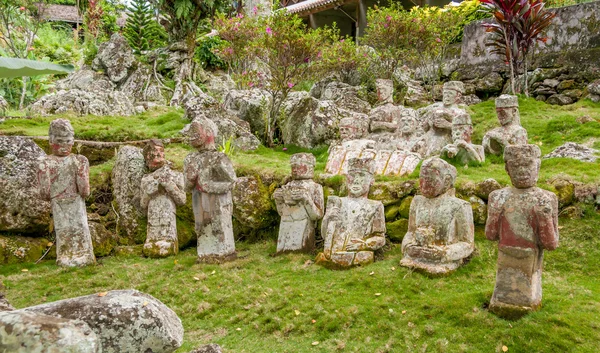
(524, 221)
(210, 177)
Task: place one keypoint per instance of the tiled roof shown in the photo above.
(311, 6)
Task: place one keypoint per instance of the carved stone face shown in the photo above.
(61, 142)
(359, 182)
(462, 132)
(435, 178)
(202, 138)
(407, 124)
(302, 171)
(450, 97)
(523, 171)
(349, 132)
(154, 157)
(507, 116)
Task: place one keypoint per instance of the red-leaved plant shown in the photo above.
(517, 25)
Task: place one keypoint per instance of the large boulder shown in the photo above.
(575, 151)
(126, 179)
(87, 80)
(115, 57)
(142, 87)
(252, 106)
(594, 91)
(219, 83)
(559, 99)
(81, 102)
(345, 97)
(25, 332)
(125, 321)
(253, 208)
(490, 84)
(21, 209)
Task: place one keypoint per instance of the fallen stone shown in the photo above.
(26, 332)
(574, 151)
(565, 85)
(4, 304)
(559, 99)
(125, 321)
(585, 119)
(209, 348)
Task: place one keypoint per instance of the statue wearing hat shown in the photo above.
(64, 180)
(510, 132)
(440, 226)
(523, 219)
(462, 150)
(438, 121)
(353, 226)
(300, 204)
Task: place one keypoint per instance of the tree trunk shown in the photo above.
(23, 93)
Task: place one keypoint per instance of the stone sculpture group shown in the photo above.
(440, 236)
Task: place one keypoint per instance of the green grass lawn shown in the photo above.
(261, 303)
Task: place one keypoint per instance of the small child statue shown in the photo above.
(354, 226)
(440, 226)
(524, 221)
(161, 193)
(209, 175)
(64, 180)
(300, 204)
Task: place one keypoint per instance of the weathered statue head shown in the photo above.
(522, 164)
(436, 177)
(61, 136)
(202, 134)
(360, 177)
(154, 154)
(408, 122)
(507, 109)
(353, 128)
(462, 128)
(452, 92)
(303, 166)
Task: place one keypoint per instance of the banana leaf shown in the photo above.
(12, 67)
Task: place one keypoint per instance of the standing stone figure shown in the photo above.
(209, 175)
(161, 192)
(438, 121)
(300, 204)
(510, 132)
(524, 221)
(354, 226)
(64, 181)
(462, 150)
(440, 226)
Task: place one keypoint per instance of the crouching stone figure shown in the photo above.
(300, 205)
(462, 150)
(64, 180)
(209, 175)
(161, 191)
(354, 226)
(510, 132)
(524, 221)
(440, 226)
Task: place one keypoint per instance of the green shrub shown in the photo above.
(205, 53)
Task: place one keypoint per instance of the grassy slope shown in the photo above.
(273, 300)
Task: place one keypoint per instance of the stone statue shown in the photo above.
(438, 121)
(352, 145)
(524, 220)
(209, 175)
(354, 226)
(462, 150)
(161, 192)
(385, 90)
(300, 204)
(510, 132)
(64, 180)
(440, 233)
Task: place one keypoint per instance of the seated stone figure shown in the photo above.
(161, 192)
(438, 121)
(210, 176)
(440, 226)
(352, 145)
(64, 180)
(510, 132)
(524, 221)
(462, 150)
(300, 204)
(354, 226)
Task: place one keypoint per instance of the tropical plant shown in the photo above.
(93, 19)
(13, 67)
(141, 29)
(205, 54)
(517, 26)
(227, 146)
